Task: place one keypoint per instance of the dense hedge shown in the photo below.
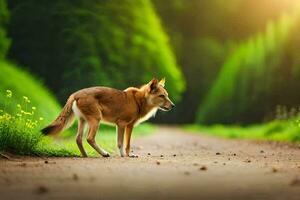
(261, 73)
(76, 44)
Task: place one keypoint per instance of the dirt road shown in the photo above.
(180, 166)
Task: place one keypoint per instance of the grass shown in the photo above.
(23, 84)
(278, 130)
(18, 128)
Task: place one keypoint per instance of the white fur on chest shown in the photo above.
(147, 116)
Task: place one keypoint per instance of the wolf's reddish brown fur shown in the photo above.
(125, 109)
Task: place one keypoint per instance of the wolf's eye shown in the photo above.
(162, 96)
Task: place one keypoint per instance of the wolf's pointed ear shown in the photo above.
(162, 82)
(153, 84)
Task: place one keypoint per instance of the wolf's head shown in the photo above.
(157, 95)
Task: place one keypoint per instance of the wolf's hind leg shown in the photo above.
(81, 125)
(120, 133)
(93, 128)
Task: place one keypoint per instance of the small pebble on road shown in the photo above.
(274, 170)
(203, 168)
(295, 182)
(75, 177)
(187, 173)
(41, 190)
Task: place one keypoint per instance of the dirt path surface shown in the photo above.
(180, 166)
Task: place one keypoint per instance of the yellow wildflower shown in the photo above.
(8, 93)
(26, 99)
(27, 113)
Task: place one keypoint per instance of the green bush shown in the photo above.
(76, 44)
(278, 130)
(18, 129)
(23, 84)
(202, 33)
(261, 73)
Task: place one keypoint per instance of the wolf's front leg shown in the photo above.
(120, 132)
(127, 141)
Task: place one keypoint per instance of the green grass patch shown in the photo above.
(276, 131)
(21, 83)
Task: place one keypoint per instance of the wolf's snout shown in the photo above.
(170, 107)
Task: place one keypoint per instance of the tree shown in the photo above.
(76, 44)
(260, 74)
(204, 33)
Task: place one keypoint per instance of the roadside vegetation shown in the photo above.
(262, 73)
(21, 83)
(281, 129)
(274, 131)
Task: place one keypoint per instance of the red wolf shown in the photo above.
(125, 109)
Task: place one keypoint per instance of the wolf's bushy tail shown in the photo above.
(63, 121)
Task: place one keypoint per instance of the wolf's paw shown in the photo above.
(131, 155)
(106, 155)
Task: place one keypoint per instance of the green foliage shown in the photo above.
(4, 41)
(76, 44)
(21, 118)
(18, 128)
(202, 33)
(256, 78)
(287, 131)
(23, 84)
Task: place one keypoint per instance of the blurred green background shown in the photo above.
(233, 62)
